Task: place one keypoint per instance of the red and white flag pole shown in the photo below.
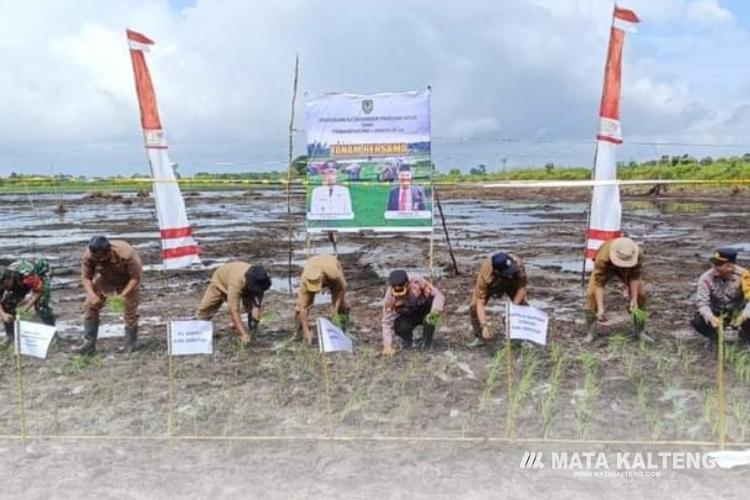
(606, 210)
(179, 248)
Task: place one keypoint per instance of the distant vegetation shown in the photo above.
(667, 167)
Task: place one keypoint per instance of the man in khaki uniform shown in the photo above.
(109, 268)
(321, 271)
(500, 274)
(619, 258)
(237, 283)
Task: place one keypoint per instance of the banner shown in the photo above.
(179, 248)
(369, 164)
(527, 323)
(332, 339)
(606, 209)
(190, 337)
(33, 339)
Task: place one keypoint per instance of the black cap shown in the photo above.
(398, 278)
(724, 255)
(503, 264)
(404, 167)
(99, 244)
(257, 279)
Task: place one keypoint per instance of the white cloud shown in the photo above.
(222, 71)
(707, 13)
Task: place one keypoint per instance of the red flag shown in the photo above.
(179, 248)
(605, 221)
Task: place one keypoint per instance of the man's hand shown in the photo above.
(93, 299)
(633, 305)
(433, 319)
(741, 318)
(714, 321)
(246, 339)
(486, 332)
(7, 318)
(252, 324)
(388, 351)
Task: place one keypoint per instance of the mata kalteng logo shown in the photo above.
(619, 461)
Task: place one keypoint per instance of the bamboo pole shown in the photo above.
(720, 400)
(510, 424)
(289, 172)
(19, 380)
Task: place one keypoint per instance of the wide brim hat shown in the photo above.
(623, 252)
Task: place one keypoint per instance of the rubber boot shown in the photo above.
(297, 337)
(131, 340)
(428, 331)
(590, 327)
(9, 335)
(90, 334)
(407, 341)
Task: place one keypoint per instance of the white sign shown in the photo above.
(727, 459)
(190, 337)
(332, 338)
(33, 339)
(527, 323)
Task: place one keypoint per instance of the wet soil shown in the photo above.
(614, 389)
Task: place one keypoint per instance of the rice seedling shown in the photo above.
(739, 358)
(639, 318)
(493, 377)
(559, 360)
(589, 392)
(116, 304)
(741, 413)
(529, 366)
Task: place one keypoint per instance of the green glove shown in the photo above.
(433, 319)
(341, 320)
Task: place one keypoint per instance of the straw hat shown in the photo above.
(623, 252)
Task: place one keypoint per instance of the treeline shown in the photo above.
(666, 167)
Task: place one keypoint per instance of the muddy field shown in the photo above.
(613, 390)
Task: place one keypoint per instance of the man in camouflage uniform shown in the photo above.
(21, 278)
(723, 297)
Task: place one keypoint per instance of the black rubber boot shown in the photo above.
(298, 336)
(590, 327)
(407, 341)
(131, 340)
(90, 334)
(9, 334)
(428, 331)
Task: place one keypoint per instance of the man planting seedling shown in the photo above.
(409, 303)
(723, 297)
(620, 258)
(500, 274)
(237, 284)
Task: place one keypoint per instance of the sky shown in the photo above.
(514, 82)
